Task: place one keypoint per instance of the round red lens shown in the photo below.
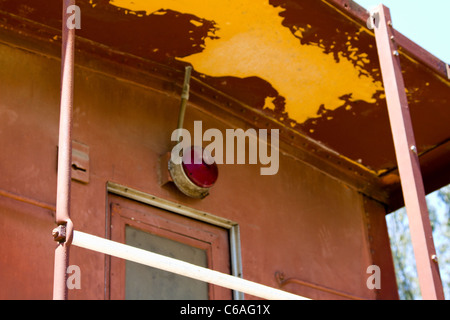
(200, 167)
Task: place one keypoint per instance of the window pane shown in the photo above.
(143, 282)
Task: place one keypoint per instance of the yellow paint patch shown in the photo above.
(253, 42)
(268, 103)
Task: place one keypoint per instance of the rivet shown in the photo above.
(434, 258)
(395, 53)
(413, 149)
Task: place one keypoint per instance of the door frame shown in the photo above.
(154, 201)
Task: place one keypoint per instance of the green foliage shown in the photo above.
(444, 195)
(403, 255)
(402, 251)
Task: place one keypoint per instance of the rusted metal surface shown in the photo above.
(127, 99)
(379, 248)
(63, 233)
(26, 270)
(321, 217)
(357, 12)
(333, 30)
(407, 158)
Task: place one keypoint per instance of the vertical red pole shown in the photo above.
(63, 233)
(407, 158)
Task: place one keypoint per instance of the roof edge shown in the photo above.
(360, 14)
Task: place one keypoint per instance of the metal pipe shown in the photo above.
(64, 157)
(24, 199)
(407, 158)
(184, 98)
(282, 281)
(154, 260)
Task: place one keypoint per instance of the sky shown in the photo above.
(424, 22)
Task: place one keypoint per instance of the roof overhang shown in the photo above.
(308, 68)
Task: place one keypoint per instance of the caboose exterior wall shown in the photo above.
(301, 221)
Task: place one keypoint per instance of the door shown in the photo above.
(169, 234)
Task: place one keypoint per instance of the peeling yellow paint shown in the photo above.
(196, 23)
(269, 103)
(253, 42)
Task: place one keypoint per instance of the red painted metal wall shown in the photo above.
(302, 222)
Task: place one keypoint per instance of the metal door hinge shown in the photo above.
(80, 162)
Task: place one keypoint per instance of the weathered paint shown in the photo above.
(355, 125)
(249, 39)
(323, 238)
(127, 77)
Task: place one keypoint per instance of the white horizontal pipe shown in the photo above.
(87, 241)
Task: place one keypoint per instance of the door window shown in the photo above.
(172, 235)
